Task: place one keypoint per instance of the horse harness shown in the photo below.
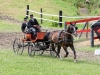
(65, 39)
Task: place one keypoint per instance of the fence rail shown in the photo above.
(63, 16)
(60, 17)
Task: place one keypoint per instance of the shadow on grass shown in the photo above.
(47, 56)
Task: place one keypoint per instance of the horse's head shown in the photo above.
(72, 29)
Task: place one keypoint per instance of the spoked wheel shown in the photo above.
(31, 49)
(18, 46)
(53, 53)
(39, 48)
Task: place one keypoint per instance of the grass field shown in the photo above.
(17, 9)
(11, 64)
(9, 27)
(12, 7)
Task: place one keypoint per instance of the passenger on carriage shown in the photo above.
(33, 25)
(24, 26)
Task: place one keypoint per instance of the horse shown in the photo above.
(63, 38)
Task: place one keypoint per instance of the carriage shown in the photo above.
(35, 44)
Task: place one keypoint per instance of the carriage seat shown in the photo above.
(30, 37)
(40, 35)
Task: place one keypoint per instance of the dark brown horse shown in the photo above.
(63, 39)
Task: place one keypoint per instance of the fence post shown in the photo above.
(60, 18)
(41, 15)
(27, 12)
(92, 37)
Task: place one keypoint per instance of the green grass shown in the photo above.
(12, 7)
(11, 64)
(9, 27)
(17, 9)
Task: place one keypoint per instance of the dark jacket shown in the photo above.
(32, 23)
(24, 25)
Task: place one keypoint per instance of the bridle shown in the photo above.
(73, 29)
(71, 33)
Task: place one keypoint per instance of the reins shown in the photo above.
(69, 33)
(63, 39)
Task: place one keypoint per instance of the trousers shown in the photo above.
(33, 31)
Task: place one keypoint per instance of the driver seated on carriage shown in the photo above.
(24, 26)
(33, 25)
(30, 27)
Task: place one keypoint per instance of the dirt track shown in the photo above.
(6, 42)
(6, 39)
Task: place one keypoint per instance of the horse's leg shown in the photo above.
(47, 44)
(73, 49)
(65, 48)
(58, 51)
(46, 40)
(52, 47)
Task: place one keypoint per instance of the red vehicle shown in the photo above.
(36, 45)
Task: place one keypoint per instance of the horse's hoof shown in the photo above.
(61, 58)
(65, 56)
(75, 60)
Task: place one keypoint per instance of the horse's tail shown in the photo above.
(46, 39)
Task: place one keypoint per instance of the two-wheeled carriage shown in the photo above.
(35, 44)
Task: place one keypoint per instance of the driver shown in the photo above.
(34, 25)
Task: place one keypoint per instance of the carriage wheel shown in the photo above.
(31, 49)
(39, 48)
(18, 46)
(53, 53)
